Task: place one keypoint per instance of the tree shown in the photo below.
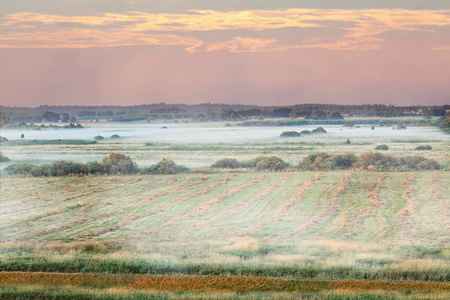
(65, 118)
(293, 115)
(51, 116)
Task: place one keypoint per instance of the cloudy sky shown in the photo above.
(268, 52)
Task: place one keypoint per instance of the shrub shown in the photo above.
(271, 163)
(344, 161)
(3, 158)
(305, 132)
(424, 147)
(377, 161)
(382, 147)
(252, 163)
(317, 161)
(19, 169)
(347, 142)
(118, 163)
(289, 134)
(165, 166)
(325, 161)
(401, 127)
(61, 168)
(99, 138)
(227, 163)
(318, 130)
(3, 139)
(94, 167)
(115, 137)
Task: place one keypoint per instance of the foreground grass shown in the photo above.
(328, 235)
(88, 286)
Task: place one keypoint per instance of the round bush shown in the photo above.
(227, 163)
(271, 163)
(382, 147)
(289, 134)
(319, 130)
(115, 137)
(99, 138)
(424, 147)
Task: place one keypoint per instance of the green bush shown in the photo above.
(382, 147)
(324, 161)
(115, 137)
(305, 132)
(94, 167)
(3, 139)
(318, 130)
(99, 138)
(165, 166)
(289, 134)
(3, 158)
(252, 163)
(115, 163)
(381, 162)
(271, 163)
(424, 147)
(227, 163)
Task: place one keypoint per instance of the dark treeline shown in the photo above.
(117, 163)
(210, 112)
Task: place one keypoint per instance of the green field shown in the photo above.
(329, 225)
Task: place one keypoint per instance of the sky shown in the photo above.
(266, 52)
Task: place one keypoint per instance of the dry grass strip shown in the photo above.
(214, 283)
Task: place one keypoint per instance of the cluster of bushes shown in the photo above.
(115, 163)
(325, 161)
(424, 147)
(366, 161)
(269, 163)
(303, 132)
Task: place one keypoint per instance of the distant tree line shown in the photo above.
(212, 112)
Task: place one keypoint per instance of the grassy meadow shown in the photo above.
(227, 234)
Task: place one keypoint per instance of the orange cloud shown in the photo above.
(361, 27)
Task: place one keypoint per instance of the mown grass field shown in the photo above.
(328, 234)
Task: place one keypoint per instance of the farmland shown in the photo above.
(231, 233)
